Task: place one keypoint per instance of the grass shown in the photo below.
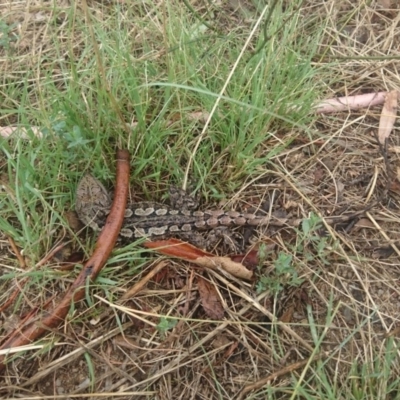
(76, 111)
(201, 98)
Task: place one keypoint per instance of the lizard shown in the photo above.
(159, 221)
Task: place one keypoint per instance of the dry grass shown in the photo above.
(335, 335)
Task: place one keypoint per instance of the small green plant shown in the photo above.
(284, 274)
(165, 325)
(69, 131)
(5, 35)
(310, 245)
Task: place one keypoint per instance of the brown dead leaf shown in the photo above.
(220, 341)
(126, 342)
(73, 221)
(388, 116)
(188, 252)
(287, 315)
(177, 248)
(318, 175)
(200, 116)
(210, 299)
(364, 223)
(291, 205)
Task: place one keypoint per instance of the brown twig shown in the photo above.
(140, 285)
(18, 254)
(91, 269)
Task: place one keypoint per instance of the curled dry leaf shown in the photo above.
(188, 252)
(220, 341)
(210, 299)
(364, 223)
(201, 116)
(388, 116)
(23, 133)
(226, 263)
(350, 102)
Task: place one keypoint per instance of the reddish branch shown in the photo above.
(105, 243)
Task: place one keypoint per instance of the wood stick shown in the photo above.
(105, 243)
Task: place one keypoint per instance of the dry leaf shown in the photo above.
(318, 175)
(124, 341)
(21, 132)
(220, 341)
(364, 223)
(350, 102)
(188, 252)
(291, 204)
(388, 116)
(210, 299)
(287, 315)
(227, 264)
(73, 221)
(201, 116)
